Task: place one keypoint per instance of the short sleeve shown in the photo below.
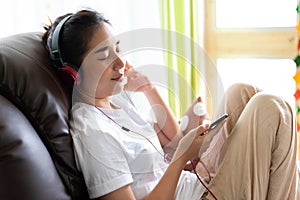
(99, 156)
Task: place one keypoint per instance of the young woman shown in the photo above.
(253, 156)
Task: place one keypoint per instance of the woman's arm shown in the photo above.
(188, 148)
(167, 125)
(165, 189)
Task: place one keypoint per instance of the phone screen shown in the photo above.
(215, 123)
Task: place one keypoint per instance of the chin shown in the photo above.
(117, 89)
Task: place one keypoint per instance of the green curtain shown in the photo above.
(180, 19)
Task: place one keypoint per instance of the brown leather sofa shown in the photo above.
(36, 155)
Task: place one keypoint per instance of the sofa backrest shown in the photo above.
(36, 152)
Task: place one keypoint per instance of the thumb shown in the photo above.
(189, 138)
(128, 67)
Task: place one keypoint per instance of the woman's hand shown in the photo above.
(189, 146)
(136, 81)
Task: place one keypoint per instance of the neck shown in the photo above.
(86, 98)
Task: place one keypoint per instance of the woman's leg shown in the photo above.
(235, 99)
(258, 159)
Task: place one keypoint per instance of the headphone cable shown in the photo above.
(204, 185)
(193, 166)
(129, 130)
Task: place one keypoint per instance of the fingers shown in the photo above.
(138, 82)
(202, 129)
(128, 67)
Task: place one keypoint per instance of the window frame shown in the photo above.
(220, 42)
(279, 43)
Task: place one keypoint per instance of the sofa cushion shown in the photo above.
(26, 168)
(28, 80)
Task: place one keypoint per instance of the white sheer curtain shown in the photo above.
(21, 16)
(17, 16)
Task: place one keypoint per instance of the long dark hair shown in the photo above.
(75, 35)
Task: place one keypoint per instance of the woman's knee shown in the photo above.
(242, 89)
(272, 104)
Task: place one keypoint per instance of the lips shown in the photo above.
(118, 78)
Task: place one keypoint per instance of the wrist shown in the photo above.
(180, 161)
(150, 91)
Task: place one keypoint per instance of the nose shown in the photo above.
(119, 63)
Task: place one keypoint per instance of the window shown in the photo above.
(272, 75)
(253, 41)
(264, 43)
(255, 13)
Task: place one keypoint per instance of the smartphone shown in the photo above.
(215, 123)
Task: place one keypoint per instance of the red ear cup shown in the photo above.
(69, 75)
(70, 70)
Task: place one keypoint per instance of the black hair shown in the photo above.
(75, 35)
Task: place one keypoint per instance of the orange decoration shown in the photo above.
(297, 77)
(298, 27)
(297, 94)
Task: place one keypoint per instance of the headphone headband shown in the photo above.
(67, 72)
(55, 49)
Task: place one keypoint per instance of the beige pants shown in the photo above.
(258, 158)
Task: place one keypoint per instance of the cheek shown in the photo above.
(94, 72)
(89, 81)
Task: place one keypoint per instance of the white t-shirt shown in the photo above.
(110, 157)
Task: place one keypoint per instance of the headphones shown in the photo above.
(68, 72)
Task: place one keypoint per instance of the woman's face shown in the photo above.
(102, 70)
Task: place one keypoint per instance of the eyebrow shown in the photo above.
(105, 48)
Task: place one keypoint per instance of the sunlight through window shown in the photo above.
(271, 75)
(255, 13)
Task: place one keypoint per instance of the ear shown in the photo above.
(69, 75)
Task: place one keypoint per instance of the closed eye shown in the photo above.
(103, 55)
(103, 58)
(104, 52)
